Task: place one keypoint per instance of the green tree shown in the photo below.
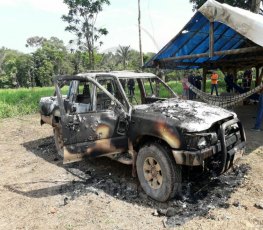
(14, 68)
(253, 5)
(2, 58)
(123, 54)
(56, 52)
(35, 41)
(135, 60)
(76, 60)
(43, 68)
(109, 61)
(81, 19)
(51, 59)
(148, 56)
(9, 69)
(24, 64)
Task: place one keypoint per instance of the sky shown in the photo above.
(161, 20)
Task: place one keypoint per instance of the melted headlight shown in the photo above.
(202, 143)
(200, 140)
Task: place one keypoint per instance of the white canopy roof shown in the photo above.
(244, 22)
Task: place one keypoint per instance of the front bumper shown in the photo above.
(228, 154)
(195, 158)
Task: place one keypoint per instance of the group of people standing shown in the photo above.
(197, 82)
(229, 78)
(130, 84)
(246, 85)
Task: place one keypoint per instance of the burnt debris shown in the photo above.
(201, 191)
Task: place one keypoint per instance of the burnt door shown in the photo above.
(95, 124)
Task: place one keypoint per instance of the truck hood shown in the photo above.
(191, 116)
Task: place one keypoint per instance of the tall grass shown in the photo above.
(16, 102)
(176, 86)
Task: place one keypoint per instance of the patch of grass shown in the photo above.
(16, 102)
(176, 86)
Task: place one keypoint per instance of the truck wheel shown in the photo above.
(58, 140)
(158, 174)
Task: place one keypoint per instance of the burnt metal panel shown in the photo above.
(155, 125)
(77, 152)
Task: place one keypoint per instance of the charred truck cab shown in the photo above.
(137, 119)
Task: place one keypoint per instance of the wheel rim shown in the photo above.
(152, 173)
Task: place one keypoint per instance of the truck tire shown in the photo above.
(58, 140)
(158, 174)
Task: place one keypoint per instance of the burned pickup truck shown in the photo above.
(137, 119)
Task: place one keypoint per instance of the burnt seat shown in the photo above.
(85, 96)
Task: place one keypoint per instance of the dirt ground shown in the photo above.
(38, 192)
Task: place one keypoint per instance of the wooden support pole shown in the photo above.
(211, 39)
(140, 33)
(257, 76)
(244, 62)
(163, 65)
(235, 75)
(204, 79)
(217, 53)
(260, 77)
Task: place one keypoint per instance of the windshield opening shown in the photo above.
(145, 90)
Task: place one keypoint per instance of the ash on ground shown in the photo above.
(198, 196)
(206, 193)
(200, 192)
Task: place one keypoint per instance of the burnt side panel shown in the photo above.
(154, 125)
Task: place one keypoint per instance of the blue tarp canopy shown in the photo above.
(217, 36)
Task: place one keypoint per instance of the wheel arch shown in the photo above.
(149, 139)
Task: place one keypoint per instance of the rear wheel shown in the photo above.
(58, 140)
(158, 174)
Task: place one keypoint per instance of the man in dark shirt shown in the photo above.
(131, 87)
(191, 80)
